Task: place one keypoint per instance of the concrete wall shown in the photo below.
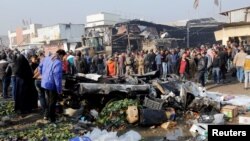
(66, 34)
(237, 31)
(48, 33)
(248, 15)
(71, 32)
(238, 15)
(102, 19)
(100, 23)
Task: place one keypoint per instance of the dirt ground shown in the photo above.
(231, 86)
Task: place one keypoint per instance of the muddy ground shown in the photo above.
(231, 86)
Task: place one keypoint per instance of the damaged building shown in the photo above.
(136, 35)
(195, 32)
(98, 32)
(109, 33)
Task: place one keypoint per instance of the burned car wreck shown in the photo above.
(156, 97)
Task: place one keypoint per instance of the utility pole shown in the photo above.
(129, 47)
(188, 30)
(1, 43)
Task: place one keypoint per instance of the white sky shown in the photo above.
(48, 12)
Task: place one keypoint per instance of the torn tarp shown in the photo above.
(188, 86)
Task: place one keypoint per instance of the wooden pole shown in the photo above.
(220, 5)
(129, 47)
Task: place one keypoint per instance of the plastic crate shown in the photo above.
(153, 103)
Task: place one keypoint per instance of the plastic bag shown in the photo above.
(219, 119)
(102, 135)
(206, 119)
(130, 136)
(80, 139)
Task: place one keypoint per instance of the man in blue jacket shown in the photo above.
(51, 71)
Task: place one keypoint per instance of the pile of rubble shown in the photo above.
(153, 102)
(113, 104)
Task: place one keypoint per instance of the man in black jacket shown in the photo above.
(216, 65)
(151, 58)
(201, 69)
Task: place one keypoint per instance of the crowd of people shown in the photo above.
(35, 76)
(196, 64)
(32, 77)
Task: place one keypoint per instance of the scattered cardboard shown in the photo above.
(168, 125)
(230, 111)
(244, 119)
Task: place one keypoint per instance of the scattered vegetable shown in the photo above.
(114, 113)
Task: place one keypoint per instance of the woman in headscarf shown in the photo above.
(26, 97)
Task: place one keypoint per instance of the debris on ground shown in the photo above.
(93, 102)
(104, 135)
(169, 125)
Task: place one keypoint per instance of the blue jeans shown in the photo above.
(229, 65)
(216, 74)
(169, 69)
(247, 78)
(6, 84)
(164, 69)
(240, 73)
(41, 95)
(13, 85)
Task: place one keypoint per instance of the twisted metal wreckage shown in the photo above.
(156, 95)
